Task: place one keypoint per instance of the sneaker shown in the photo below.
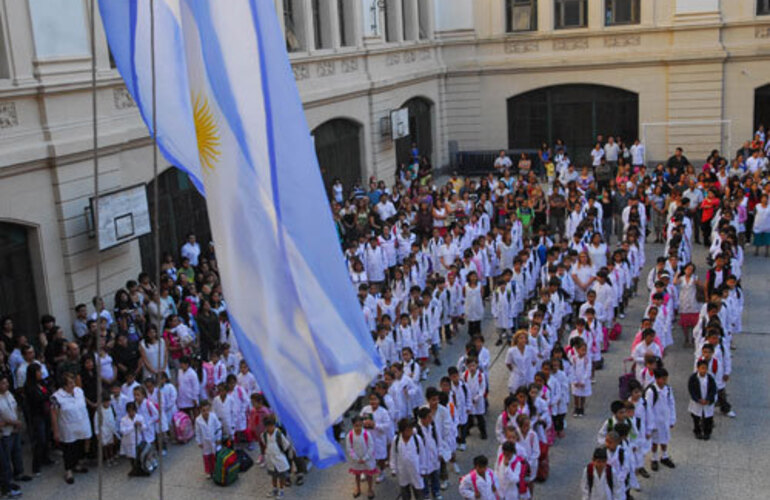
(13, 494)
(654, 465)
(445, 485)
(461, 446)
(439, 497)
(668, 463)
(622, 316)
(730, 414)
(272, 494)
(456, 468)
(643, 472)
(380, 478)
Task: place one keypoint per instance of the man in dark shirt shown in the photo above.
(679, 161)
(126, 357)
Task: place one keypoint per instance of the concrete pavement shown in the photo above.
(732, 465)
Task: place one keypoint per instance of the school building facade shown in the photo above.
(474, 75)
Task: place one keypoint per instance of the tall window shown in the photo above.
(570, 14)
(5, 71)
(423, 13)
(622, 12)
(763, 7)
(345, 23)
(392, 21)
(322, 24)
(520, 15)
(293, 25)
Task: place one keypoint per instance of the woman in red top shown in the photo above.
(708, 207)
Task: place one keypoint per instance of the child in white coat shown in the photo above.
(132, 427)
(598, 479)
(277, 449)
(406, 459)
(660, 400)
(359, 445)
(479, 483)
(107, 431)
(208, 435)
(377, 422)
(581, 376)
(511, 472)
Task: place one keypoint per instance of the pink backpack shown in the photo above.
(183, 428)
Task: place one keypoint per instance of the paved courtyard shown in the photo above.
(733, 464)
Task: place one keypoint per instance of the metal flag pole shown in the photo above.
(156, 218)
(98, 340)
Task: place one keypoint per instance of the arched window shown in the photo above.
(420, 130)
(574, 113)
(338, 148)
(18, 297)
(182, 211)
(762, 106)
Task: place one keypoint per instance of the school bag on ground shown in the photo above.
(625, 379)
(616, 331)
(146, 457)
(183, 427)
(245, 460)
(226, 467)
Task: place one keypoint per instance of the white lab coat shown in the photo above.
(459, 398)
(663, 412)
(151, 416)
(486, 485)
(225, 412)
(508, 476)
(208, 433)
(476, 385)
(581, 373)
(406, 460)
(128, 429)
(189, 389)
(248, 382)
(601, 490)
(382, 431)
(360, 449)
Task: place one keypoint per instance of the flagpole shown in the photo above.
(99, 454)
(161, 346)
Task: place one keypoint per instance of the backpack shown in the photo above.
(146, 457)
(183, 427)
(523, 471)
(366, 438)
(226, 468)
(416, 443)
(283, 444)
(475, 477)
(654, 393)
(590, 477)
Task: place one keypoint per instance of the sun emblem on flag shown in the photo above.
(207, 133)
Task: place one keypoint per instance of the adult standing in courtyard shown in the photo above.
(70, 424)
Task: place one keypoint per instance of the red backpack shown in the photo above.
(523, 471)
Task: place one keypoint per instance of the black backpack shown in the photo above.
(590, 477)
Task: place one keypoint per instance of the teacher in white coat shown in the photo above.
(71, 425)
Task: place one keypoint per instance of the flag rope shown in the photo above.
(97, 292)
(156, 230)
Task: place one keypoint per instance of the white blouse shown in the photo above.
(72, 413)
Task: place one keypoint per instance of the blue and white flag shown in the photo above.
(229, 114)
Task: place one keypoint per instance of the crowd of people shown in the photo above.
(534, 250)
(554, 256)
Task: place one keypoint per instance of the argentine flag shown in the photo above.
(229, 114)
